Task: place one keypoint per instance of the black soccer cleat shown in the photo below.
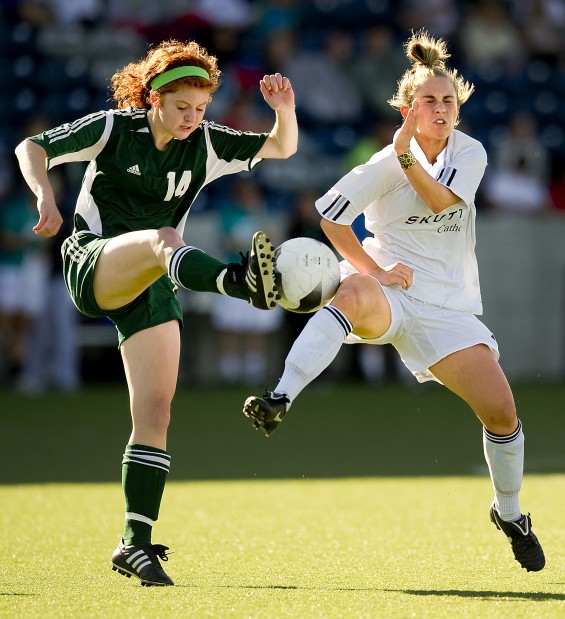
(525, 545)
(266, 412)
(142, 561)
(259, 273)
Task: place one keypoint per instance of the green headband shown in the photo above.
(175, 74)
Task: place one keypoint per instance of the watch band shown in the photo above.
(406, 160)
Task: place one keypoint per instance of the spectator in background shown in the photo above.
(441, 17)
(63, 11)
(276, 15)
(516, 189)
(22, 276)
(488, 35)
(379, 133)
(521, 142)
(334, 99)
(53, 356)
(243, 330)
(542, 23)
(43, 330)
(245, 115)
(376, 70)
(304, 219)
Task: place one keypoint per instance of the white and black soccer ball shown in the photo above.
(306, 274)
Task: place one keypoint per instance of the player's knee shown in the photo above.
(166, 240)
(155, 415)
(501, 417)
(159, 422)
(354, 296)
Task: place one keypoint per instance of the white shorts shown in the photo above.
(423, 334)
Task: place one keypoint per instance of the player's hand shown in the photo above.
(402, 139)
(277, 92)
(50, 219)
(396, 273)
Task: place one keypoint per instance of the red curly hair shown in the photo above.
(131, 86)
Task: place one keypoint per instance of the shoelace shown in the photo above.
(277, 397)
(161, 551)
(244, 259)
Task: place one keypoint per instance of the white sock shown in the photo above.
(314, 349)
(505, 459)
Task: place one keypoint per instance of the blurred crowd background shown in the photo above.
(344, 58)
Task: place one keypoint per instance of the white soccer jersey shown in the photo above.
(439, 247)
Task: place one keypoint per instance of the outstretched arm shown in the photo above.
(33, 165)
(283, 139)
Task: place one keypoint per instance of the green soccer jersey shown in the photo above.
(131, 185)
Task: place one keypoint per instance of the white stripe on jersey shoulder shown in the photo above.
(207, 125)
(58, 133)
(90, 153)
(133, 112)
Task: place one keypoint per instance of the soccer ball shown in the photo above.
(306, 274)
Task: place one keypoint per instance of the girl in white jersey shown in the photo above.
(148, 160)
(414, 282)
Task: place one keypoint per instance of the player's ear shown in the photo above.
(404, 111)
(154, 99)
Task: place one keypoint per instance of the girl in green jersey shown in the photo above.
(148, 160)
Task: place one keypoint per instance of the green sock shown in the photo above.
(193, 269)
(144, 473)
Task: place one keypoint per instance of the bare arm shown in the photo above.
(344, 240)
(437, 196)
(33, 165)
(283, 139)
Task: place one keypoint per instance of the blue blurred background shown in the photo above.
(343, 58)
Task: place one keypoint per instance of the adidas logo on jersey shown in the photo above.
(134, 170)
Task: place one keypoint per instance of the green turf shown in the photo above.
(370, 547)
(331, 431)
(367, 502)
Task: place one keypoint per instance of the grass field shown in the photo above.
(366, 503)
(280, 548)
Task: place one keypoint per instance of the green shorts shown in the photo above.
(154, 306)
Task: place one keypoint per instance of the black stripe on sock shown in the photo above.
(341, 319)
(499, 439)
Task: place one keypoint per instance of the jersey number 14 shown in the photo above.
(177, 190)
